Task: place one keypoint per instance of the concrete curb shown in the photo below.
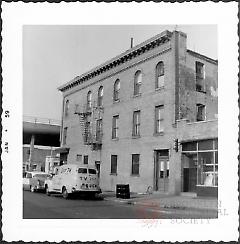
(165, 206)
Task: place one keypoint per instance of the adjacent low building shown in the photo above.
(147, 118)
(41, 138)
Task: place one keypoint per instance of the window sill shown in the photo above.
(158, 133)
(116, 101)
(159, 88)
(137, 175)
(137, 95)
(136, 136)
(114, 174)
(115, 139)
(201, 91)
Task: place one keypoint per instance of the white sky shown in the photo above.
(54, 54)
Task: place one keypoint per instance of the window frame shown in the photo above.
(159, 121)
(99, 125)
(134, 163)
(100, 96)
(200, 76)
(138, 76)
(199, 105)
(136, 123)
(159, 71)
(115, 126)
(113, 168)
(89, 100)
(116, 90)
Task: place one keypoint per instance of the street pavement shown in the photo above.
(41, 206)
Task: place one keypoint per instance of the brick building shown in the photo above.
(147, 118)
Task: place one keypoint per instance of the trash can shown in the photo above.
(122, 191)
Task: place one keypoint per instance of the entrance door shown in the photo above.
(189, 172)
(162, 172)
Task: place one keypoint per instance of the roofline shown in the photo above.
(149, 44)
(214, 61)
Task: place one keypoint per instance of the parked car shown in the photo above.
(73, 179)
(34, 181)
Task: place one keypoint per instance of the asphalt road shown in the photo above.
(41, 206)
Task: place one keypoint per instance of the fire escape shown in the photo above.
(90, 119)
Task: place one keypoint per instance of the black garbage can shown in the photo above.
(122, 191)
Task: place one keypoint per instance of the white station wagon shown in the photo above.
(73, 178)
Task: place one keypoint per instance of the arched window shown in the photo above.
(89, 100)
(137, 82)
(160, 75)
(66, 108)
(116, 90)
(100, 96)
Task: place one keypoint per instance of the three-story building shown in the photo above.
(147, 118)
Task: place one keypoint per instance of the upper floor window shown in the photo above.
(98, 129)
(89, 100)
(100, 96)
(137, 82)
(66, 108)
(116, 90)
(136, 123)
(200, 77)
(201, 112)
(159, 119)
(64, 140)
(115, 126)
(159, 75)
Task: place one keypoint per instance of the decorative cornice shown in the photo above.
(120, 59)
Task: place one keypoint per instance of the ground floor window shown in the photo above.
(135, 164)
(200, 164)
(113, 164)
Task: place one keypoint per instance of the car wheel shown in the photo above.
(32, 188)
(47, 190)
(65, 193)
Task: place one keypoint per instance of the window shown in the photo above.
(135, 164)
(100, 96)
(89, 100)
(116, 90)
(201, 112)
(137, 82)
(200, 76)
(99, 129)
(113, 164)
(115, 127)
(82, 170)
(136, 123)
(64, 136)
(66, 108)
(159, 119)
(79, 158)
(159, 75)
(92, 171)
(85, 159)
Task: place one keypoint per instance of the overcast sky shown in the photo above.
(53, 55)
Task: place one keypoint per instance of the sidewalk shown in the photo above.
(166, 201)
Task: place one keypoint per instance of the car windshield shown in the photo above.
(41, 176)
(82, 170)
(92, 171)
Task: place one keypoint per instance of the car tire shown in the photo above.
(65, 194)
(32, 189)
(47, 190)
